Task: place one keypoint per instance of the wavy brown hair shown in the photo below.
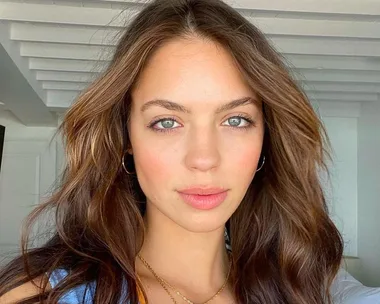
(285, 248)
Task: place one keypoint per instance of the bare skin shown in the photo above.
(24, 291)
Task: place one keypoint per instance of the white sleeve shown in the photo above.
(347, 290)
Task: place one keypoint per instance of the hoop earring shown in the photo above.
(261, 165)
(123, 164)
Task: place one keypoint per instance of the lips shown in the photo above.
(203, 198)
(202, 191)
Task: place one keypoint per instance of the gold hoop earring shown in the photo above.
(123, 164)
(261, 165)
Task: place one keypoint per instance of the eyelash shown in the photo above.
(250, 122)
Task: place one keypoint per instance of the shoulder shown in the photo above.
(82, 294)
(347, 290)
(24, 291)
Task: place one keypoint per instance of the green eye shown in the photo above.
(164, 124)
(238, 122)
(235, 121)
(170, 124)
(167, 123)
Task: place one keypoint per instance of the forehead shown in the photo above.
(191, 69)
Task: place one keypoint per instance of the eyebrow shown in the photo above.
(173, 106)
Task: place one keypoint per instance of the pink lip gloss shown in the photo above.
(204, 202)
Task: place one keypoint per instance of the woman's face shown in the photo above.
(196, 140)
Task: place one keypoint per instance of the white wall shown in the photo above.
(342, 198)
(369, 193)
(340, 120)
(28, 170)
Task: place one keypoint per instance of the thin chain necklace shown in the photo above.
(157, 278)
(163, 283)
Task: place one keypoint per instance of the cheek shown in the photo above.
(153, 160)
(152, 167)
(243, 162)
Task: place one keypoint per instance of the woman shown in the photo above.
(195, 130)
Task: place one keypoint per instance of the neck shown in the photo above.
(191, 260)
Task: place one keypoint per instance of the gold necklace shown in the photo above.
(158, 278)
(209, 300)
(164, 283)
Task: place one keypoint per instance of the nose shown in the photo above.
(202, 150)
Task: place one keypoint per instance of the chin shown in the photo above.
(202, 223)
(202, 229)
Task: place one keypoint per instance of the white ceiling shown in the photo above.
(50, 50)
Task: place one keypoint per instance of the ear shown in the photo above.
(130, 151)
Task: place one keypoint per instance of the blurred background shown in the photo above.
(51, 50)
